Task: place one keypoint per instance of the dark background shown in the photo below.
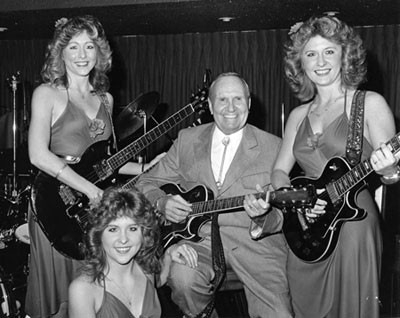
(166, 46)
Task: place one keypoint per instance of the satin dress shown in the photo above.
(112, 307)
(346, 284)
(50, 273)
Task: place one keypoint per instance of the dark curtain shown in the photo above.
(174, 66)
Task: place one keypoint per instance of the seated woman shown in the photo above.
(123, 263)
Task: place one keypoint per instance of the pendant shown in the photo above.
(313, 141)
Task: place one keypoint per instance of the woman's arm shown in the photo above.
(285, 159)
(81, 299)
(380, 128)
(135, 168)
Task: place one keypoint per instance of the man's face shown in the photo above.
(229, 104)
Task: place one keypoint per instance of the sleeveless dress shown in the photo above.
(50, 273)
(112, 307)
(346, 284)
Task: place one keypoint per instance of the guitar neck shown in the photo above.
(282, 198)
(350, 179)
(141, 143)
(220, 205)
(132, 182)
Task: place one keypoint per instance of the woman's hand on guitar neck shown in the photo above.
(384, 162)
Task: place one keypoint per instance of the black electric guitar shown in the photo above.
(203, 206)
(62, 211)
(314, 240)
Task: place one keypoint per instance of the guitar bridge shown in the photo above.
(68, 195)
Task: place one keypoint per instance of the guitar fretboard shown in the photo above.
(282, 198)
(211, 206)
(134, 148)
(346, 182)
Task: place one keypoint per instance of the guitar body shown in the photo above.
(61, 211)
(172, 233)
(315, 240)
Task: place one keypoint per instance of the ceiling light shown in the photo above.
(331, 13)
(226, 19)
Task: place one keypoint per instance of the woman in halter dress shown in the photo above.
(71, 110)
(324, 64)
(122, 263)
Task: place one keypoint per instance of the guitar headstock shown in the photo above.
(199, 100)
(295, 197)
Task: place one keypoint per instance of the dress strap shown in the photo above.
(104, 99)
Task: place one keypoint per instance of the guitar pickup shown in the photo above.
(103, 170)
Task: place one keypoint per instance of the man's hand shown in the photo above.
(175, 208)
(256, 207)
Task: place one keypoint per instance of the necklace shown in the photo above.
(327, 106)
(123, 292)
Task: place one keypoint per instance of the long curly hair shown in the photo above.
(54, 71)
(354, 68)
(118, 202)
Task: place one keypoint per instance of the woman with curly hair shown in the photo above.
(324, 65)
(71, 111)
(122, 263)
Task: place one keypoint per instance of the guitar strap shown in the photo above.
(104, 99)
(356, 128)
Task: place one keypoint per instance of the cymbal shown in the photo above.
(132, 117)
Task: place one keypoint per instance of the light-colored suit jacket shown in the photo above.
(188, 163)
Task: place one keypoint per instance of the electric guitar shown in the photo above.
(62, 211)
(314, 240)
(203, 206)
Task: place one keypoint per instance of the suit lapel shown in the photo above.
(246, 153)
(202, 150)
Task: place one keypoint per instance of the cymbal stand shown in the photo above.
(142, 114)
(13, 83)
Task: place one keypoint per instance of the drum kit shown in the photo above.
(15, 180)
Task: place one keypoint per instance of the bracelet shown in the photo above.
(395, 177)
(60, 171)
(157, 205)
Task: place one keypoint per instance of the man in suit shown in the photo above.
(228, 167)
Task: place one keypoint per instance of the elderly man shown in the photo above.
(228, 157)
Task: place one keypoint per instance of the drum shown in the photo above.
(22, 233)
(7, 300)
(6, 235)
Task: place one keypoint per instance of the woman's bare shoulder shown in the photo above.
(48, 91)
(85, 284)
(298, 113)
